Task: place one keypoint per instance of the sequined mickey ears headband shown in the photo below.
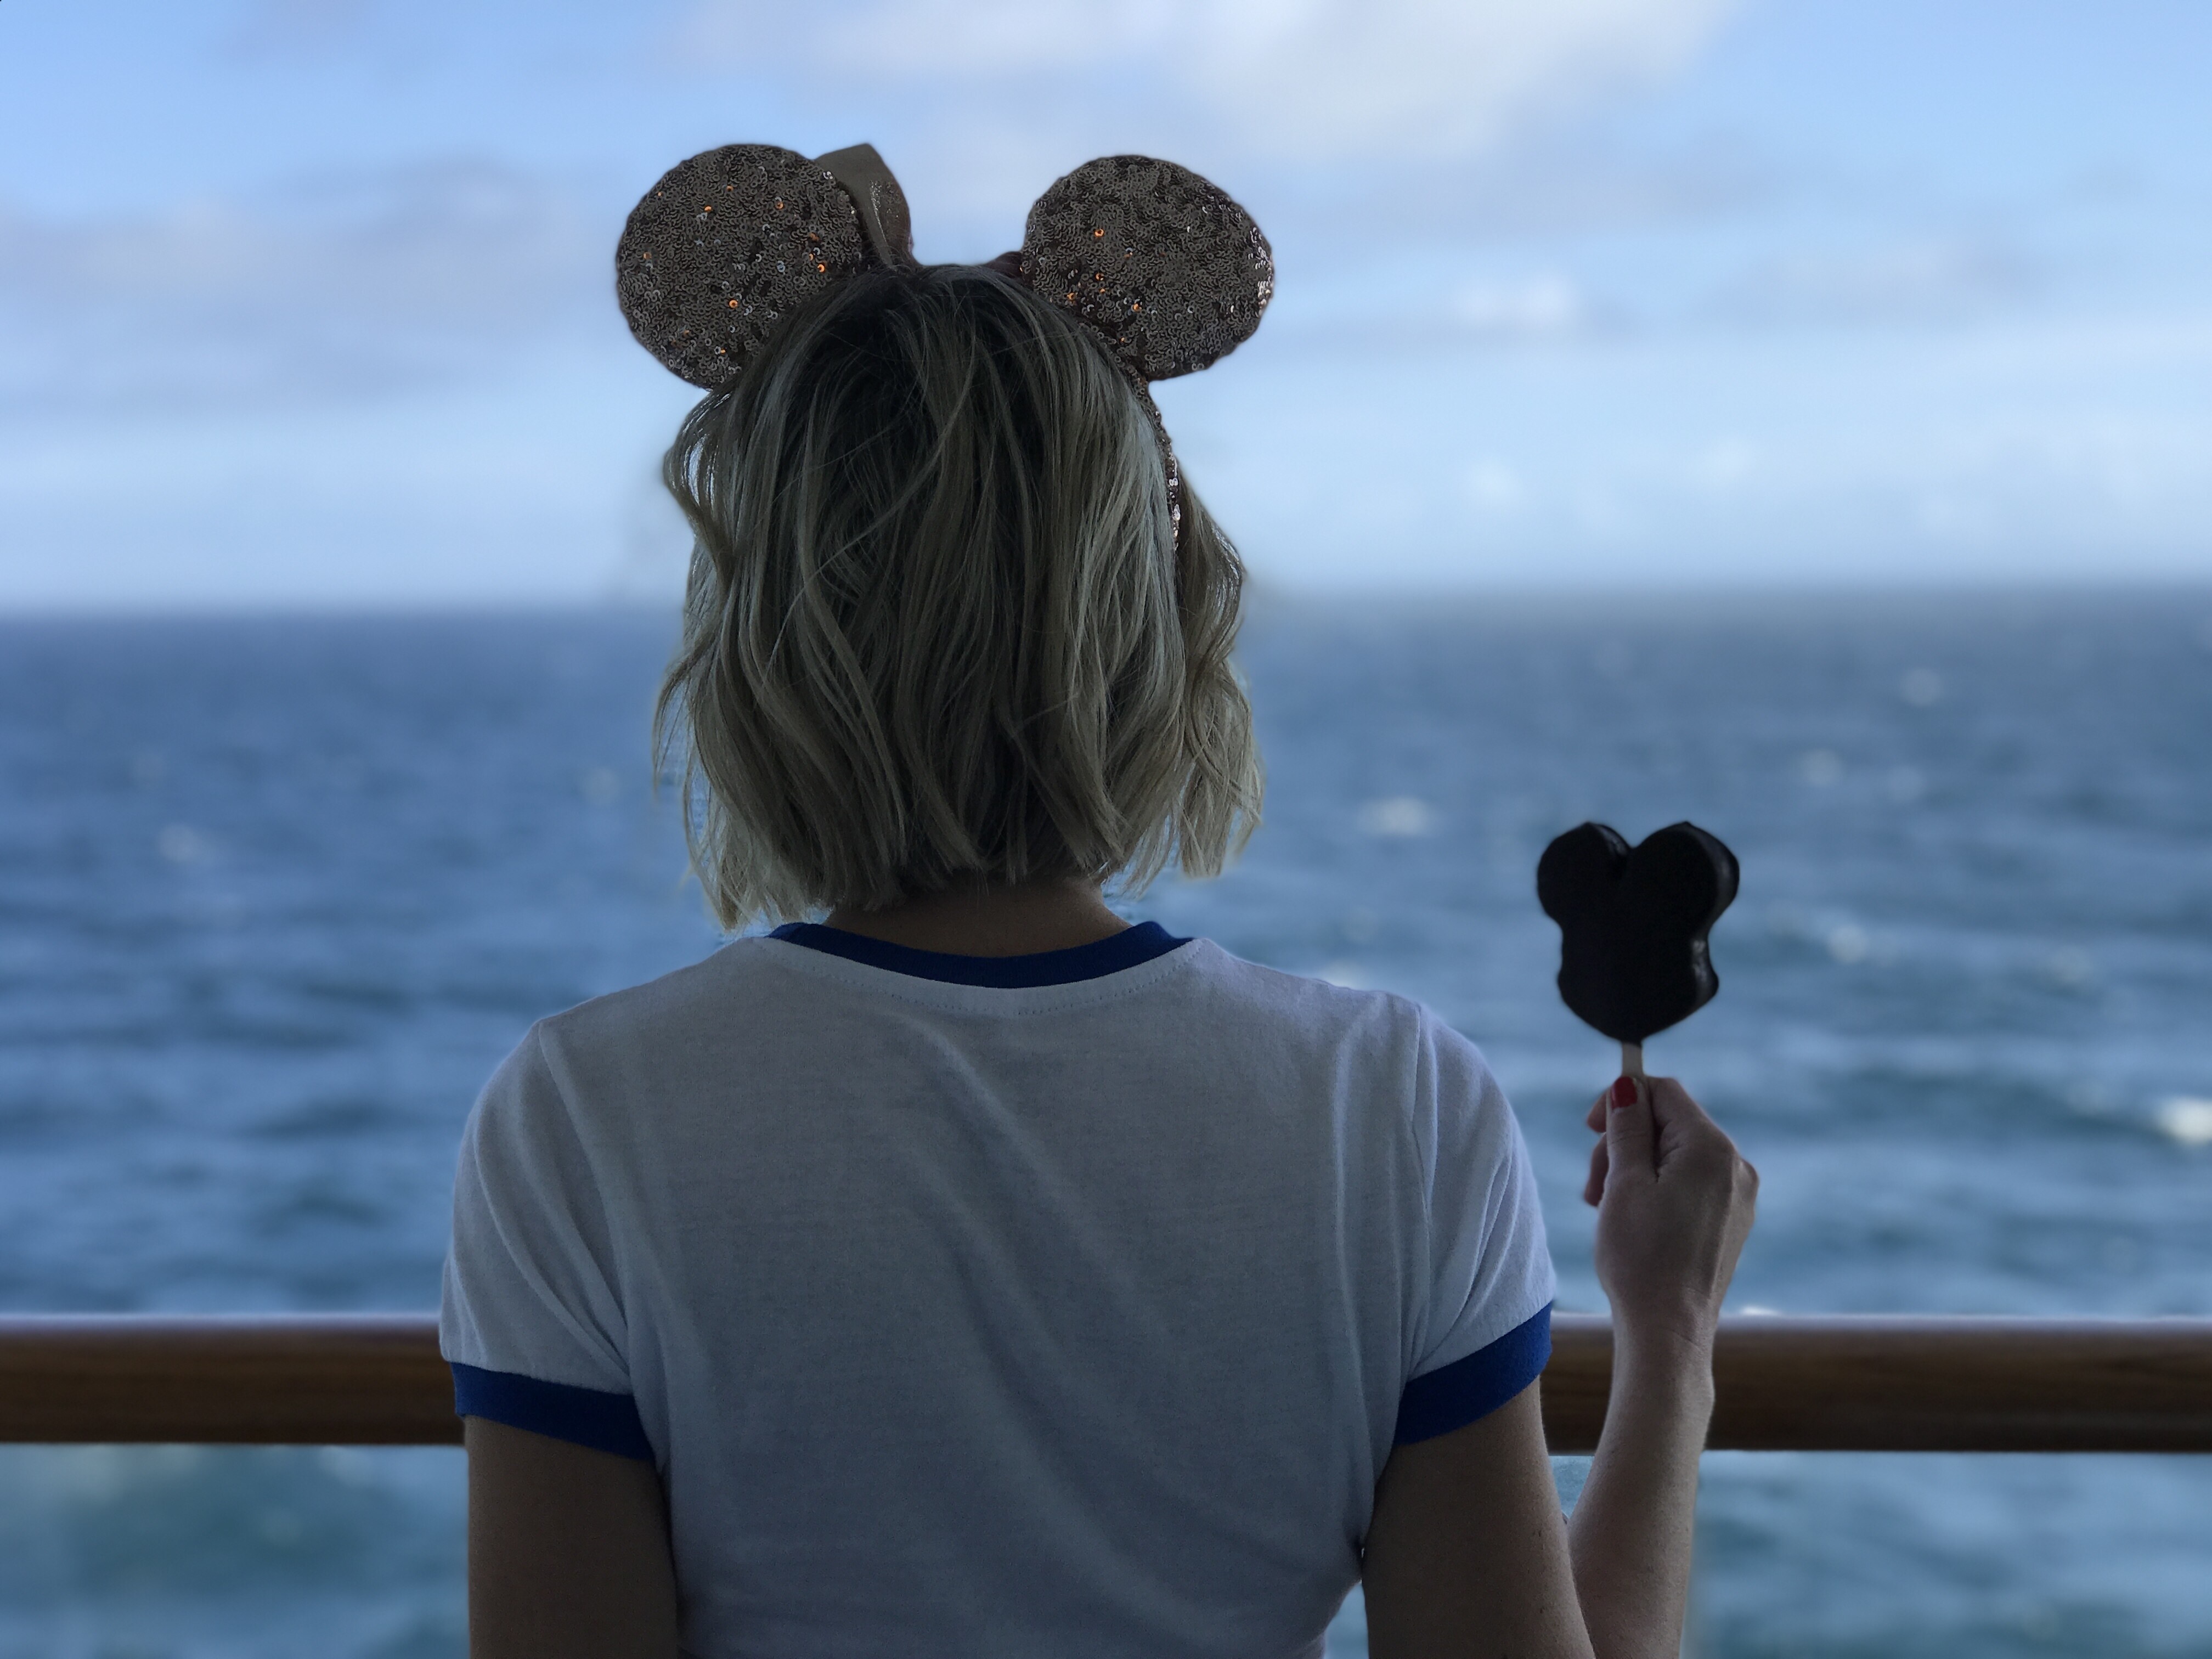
(1168, 271)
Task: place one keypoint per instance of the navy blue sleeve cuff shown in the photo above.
(584, 1417)
(1452, 1396)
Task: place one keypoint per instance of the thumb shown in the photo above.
(1630, 1137)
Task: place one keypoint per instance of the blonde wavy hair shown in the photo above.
(940, 631)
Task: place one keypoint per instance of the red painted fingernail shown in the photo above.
(1624, 1091)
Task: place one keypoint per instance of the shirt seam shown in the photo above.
(1425, 1161)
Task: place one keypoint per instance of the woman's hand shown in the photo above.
(1674, 1206)
(1675, 1202)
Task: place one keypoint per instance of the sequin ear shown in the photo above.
(1159, 262)
(723, 247)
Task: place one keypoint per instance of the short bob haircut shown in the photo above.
(941, 631)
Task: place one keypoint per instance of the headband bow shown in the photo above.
(1161, 265)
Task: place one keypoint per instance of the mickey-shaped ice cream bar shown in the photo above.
(1633, 926)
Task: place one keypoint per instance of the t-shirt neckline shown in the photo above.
(1111, 955)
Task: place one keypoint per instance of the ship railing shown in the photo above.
(1859, 1383)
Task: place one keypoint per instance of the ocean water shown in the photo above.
(277, 893)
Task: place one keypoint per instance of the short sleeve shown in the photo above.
(1484, 1332)
(529, 1318)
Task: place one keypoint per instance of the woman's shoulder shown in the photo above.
(1323, 1007)
(738, 974)
(1371, 1041)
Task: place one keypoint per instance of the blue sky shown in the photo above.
(306, 302)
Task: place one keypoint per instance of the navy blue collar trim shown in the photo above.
(1110, 954)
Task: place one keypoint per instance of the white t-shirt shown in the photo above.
(1053, 1305)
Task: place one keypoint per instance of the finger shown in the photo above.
(1595, 1121)
(1682, 1128)
(1631, 1134)
(1594, 1188)
(1672, 1106)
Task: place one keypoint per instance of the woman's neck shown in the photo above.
(991, 922)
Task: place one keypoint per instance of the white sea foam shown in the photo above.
(1398, 815)
(1921, 687)
(180, 843)
(2186, 1119)
(1820, 767)
(1848, 943)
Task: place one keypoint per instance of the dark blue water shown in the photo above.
(275, 895)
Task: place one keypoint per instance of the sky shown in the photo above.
(308, 302)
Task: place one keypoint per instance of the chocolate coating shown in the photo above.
(1634, 956)
(1168, 270)
(723, 246)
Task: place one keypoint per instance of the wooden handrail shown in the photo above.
(283, 1379)
(1807, 1384)
(1886, 1382)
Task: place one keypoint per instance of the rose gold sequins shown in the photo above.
(1193, 272)
(702, 290)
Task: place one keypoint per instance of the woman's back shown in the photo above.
(1070, 1317)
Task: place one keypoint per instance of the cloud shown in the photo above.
(1418, 80)
(328, 286)
(1493, 485)
(1437, 311)
(1539, 306)
(1378, 143)
(1943, 279)
(1562, 185)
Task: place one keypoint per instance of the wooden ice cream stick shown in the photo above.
(1632, 1059)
